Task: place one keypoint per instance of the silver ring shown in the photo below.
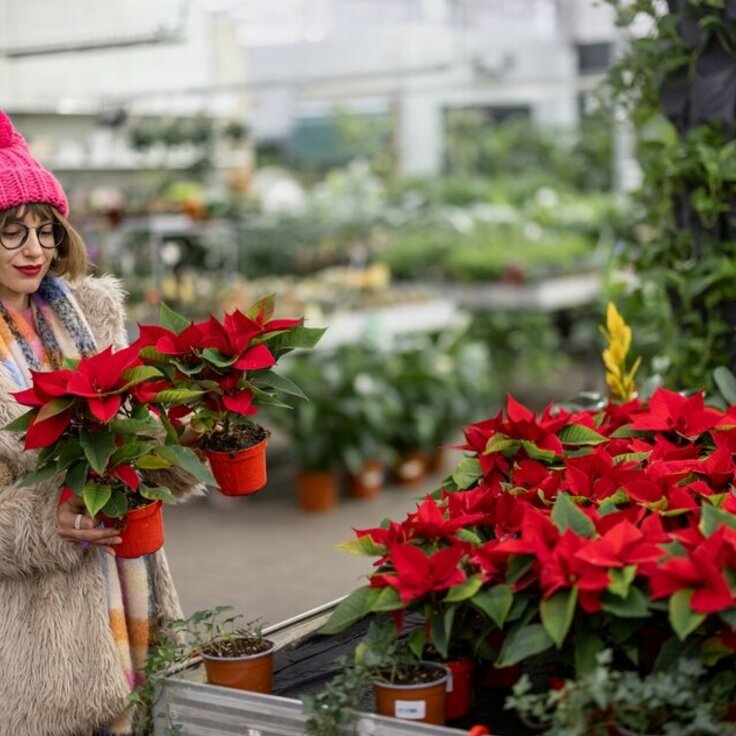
(78, 521)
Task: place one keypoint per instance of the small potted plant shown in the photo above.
(403, 686)
(220, 373)
(684, 700)
(92, 425)
(235, 654)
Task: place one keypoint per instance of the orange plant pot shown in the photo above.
(316, 491)
(369, 482)
(459, 688)
(411, 469)
(251, 672)
(424, 702)
(242, 472)
(142, 531)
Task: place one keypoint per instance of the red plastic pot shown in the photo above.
(459, 687)
(242, 472)
(142, 530)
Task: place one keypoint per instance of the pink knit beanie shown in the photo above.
(22, 179)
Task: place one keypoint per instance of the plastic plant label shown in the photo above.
(410, 710)
(449, 687)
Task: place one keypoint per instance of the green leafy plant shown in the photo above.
(683, 242)
(684, 701)
(214, 631)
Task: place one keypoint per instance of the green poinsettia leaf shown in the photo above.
(495, 602)
(467, 473)
(713, 518)
(98, 448)
(522, 643)
(557, 613)
(186, 459)
(129, 451)
(272, 380)
(152, 462)
(21, 423)
(440, 629)
(39, 475)
(140, 373)
(117, 506)
(157, 493)
(579, 434)
(467, 589)
(682, 617)
(501, 443)
(171, 320)
(217, 358)
(54, 407)
(76, 476)
(621, 580)
(587, 646)
(95, 496)
(388, 599)
(262, 309)
(356, 606)
(566, 514)
(633, 605)
(177, 395)
(362, 546)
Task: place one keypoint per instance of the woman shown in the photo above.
(75, 623)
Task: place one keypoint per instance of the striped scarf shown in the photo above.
(59, 329)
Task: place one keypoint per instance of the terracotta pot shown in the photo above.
(459, 687)
(252, 672)
(316, 491)
(411, 468)
(142, 530)
(424, 702)
(369, 482)
(239, 473)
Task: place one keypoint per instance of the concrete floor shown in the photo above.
(265, 556)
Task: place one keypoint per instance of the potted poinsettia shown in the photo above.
(90, 423)
(573, 531)
(220, 372)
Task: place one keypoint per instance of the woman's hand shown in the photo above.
(75, 525)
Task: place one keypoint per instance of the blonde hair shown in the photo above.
(70, 260)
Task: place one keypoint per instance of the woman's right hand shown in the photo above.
(75, 525)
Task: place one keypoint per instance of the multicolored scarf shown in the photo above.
(59, 329)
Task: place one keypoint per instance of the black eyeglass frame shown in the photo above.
(59, 230)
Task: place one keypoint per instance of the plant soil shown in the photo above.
(410, 674)
(239, 645)
(240, 437)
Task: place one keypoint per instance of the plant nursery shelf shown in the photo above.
(386, 323)
(562, 292)
(303, 664)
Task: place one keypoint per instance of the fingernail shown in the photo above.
(117, 540)
(85, 544)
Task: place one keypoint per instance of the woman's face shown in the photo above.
(23, 268)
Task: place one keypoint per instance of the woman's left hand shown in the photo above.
(75, 525)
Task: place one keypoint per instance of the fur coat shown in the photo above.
(59, 672)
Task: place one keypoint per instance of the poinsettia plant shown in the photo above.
(91, 423)
(571, 531)
(217, 373)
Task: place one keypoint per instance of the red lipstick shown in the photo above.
(29, 270)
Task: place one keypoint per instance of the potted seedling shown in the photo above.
(221, 373)
(404, 686)
(91, 424)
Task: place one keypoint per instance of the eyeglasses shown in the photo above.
(50, 235)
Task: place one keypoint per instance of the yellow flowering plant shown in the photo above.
(620, 381)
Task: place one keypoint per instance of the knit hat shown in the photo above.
(22, 179)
